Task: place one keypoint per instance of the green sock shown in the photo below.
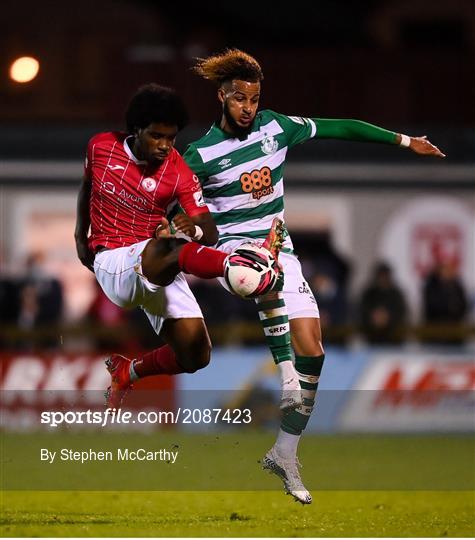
(275, 322)
(309, 369)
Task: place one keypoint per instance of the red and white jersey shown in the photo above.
(129, 196)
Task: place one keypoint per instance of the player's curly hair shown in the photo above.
(155, 103)
(230, 64)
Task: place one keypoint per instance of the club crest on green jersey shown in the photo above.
(269, 145)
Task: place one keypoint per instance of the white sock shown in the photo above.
(286, 444)
(287, 370)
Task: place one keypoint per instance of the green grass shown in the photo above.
(228, 462)
(367, 485)
(227, 514)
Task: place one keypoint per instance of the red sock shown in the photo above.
(157, 362)
(202, 261)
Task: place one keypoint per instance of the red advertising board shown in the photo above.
(32, 383)
(412, 392)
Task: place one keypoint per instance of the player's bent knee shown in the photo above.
(198, 363)
(198, 360)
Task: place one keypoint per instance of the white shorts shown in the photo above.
(298, 296)
(119, 273)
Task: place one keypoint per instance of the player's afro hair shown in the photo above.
(230, 64)
(155, 103)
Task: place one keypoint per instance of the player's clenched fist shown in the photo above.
(184, 224)
(163, 229)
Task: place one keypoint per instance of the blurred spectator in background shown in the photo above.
(40, 301)
(444, 301)
(328, 273)
(382, 308)
(46, 290)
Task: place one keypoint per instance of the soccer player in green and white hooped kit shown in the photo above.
(240, 164)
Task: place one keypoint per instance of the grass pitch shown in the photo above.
(335, 468)
(231, 514)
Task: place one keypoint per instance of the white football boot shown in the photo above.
(288, 471)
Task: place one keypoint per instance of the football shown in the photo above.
(251, 271)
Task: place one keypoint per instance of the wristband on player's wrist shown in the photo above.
(405, 140)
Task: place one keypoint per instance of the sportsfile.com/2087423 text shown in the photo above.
(118, 416)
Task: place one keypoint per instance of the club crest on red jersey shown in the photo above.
(149, 184)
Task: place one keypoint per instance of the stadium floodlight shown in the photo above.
(24, 69)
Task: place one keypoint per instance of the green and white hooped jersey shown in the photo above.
(242, 180)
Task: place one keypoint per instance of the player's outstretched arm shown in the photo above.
(357, 130)
(83, 222)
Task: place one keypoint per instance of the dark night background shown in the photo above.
(394, 63)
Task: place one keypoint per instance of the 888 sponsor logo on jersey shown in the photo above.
(258, 182)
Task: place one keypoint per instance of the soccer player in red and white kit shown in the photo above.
(131, 180)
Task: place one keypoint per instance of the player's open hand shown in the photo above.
(85, 255)
(184, 224)
(421, 145)
(163, 229)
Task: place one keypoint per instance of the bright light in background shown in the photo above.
(24, 69)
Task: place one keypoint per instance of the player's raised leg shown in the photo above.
(164, 258)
